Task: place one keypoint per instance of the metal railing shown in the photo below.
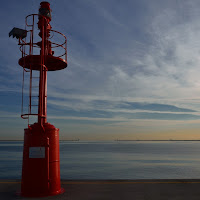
(28, 49)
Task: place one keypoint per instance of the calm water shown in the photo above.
(113, 160)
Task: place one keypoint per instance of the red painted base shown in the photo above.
(41, 162)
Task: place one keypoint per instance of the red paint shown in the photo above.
(53, 63)
(41, 176)
(41, 162)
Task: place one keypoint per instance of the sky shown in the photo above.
(133, 69)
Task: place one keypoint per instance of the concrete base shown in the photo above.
(180, 189)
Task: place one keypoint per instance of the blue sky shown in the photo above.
(133, 69)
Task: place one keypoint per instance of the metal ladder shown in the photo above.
(32, 83)
(32, 95)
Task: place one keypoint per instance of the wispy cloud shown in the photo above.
(130, 60)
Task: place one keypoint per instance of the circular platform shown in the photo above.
(34, 62)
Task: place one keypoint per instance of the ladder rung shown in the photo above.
(27, 70)
(35, 96)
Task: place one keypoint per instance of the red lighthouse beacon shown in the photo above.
(41, 162)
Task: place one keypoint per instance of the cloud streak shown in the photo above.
(131, 60)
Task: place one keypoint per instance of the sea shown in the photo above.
(113, 160)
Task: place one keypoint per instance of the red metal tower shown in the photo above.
(41, 162)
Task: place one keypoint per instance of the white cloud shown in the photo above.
(151, 57)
